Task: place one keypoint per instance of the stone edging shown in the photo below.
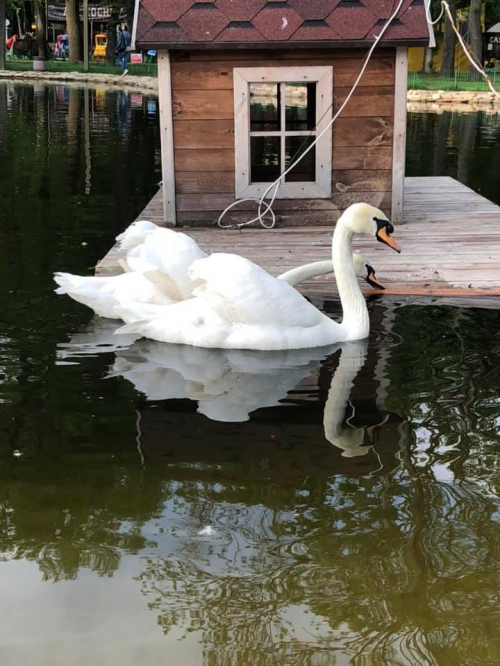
(454, 97)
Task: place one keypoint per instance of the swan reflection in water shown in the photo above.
(229, 385)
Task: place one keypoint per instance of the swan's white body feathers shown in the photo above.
(237, 305)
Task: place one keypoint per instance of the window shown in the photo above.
(278, 113)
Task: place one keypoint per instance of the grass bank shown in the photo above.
(94, 67)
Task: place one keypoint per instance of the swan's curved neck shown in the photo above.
(355, 322)
(306, 272)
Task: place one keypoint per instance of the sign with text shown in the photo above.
(57, 13)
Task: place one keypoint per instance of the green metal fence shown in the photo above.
(470, 80)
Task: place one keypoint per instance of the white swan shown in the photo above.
(362, 268)
(238, 305)
(157, 265)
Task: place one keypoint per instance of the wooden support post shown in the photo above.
(167, 138)
(399, 143)
(85, 35)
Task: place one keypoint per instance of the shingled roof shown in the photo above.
(188, 24)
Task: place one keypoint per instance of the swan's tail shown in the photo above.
(69, 283)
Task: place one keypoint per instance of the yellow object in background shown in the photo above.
(101, 42)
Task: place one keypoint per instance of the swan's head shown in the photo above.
(365, 219)
(135, 234)
(365, 271)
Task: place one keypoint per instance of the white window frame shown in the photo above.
(323, 77)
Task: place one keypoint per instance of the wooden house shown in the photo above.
(246, 85)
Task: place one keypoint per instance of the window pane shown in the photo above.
(264, 107)
(265, 158)
(300, 106)
(305, 171)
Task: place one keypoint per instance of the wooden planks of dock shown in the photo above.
(450, 245)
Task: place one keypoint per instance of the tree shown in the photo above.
(40, 28)
(2, 34)
(449, 41)
(492, 13)
(475, 30)
(73, 28)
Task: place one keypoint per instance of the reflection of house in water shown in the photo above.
(287, 439)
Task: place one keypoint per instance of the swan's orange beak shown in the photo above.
(384, 237)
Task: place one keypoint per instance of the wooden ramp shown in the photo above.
(450, 245)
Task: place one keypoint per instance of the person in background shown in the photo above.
(123, 47)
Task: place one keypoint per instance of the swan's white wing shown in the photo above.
(135, 287)
(251, 295)
(135, 234)
(166, 256)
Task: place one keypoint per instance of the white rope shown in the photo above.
(428, 14)
(273, 187)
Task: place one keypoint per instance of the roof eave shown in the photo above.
(226, 46)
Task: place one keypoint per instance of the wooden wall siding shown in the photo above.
(203, 110)
(222, 182)
(344, 157)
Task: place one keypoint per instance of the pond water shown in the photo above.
(162, 505)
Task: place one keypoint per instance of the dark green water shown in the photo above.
(137, 530)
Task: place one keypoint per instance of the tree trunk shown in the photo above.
(475, 31)
(2, 34)
(73, 28)
(40, 28)
(449, 41)
(19, 28)
(427, 60)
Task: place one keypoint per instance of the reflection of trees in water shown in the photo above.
(77, 512)
(403, 569)
(58, 417)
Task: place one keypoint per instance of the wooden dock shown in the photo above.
(450, 245)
